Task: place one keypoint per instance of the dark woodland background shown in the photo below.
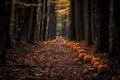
(95, 22)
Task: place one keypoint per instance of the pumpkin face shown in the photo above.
(81, 56)
(96, 64)
(95, 59)
(87, 58)
(102, 68)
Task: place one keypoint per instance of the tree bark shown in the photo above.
(103, 26)
(52, 22)
(77, 20)
(41, 20)
(5, 15)
(45, 20)
(116, 29)
(87, 22)
(72, 22)
(93, 22)
(32, 22)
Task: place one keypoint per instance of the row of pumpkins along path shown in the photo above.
(96, 63)
(82, 55)
(59, 59)
(87, 58)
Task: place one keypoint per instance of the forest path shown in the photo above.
(54, 61)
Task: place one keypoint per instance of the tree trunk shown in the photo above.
(52, 22)
(90, 42)
(32, 22)
(72, 23)
(87, 22)
(77, 20)
(93, 22)
(103, 26)
(82, 33)
(5, 9)
(45, 20)
(41, 20)
(116, 30)
(19, 27)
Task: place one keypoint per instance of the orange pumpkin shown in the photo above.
(81, 56)
(102, 68)
(77, 44)
(73, 47)
(68, 44)
(96, 64)
(95, 59)
(87, 58)
(81, 51)
(77, 48)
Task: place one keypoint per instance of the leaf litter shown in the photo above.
(54, 60)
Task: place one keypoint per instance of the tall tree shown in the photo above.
(18, 15)
(87, 22)
(77, 19)
(52, 21)
(26, 21)
(5, 9)
(45, 19)
(82, 33)
(72, 22)
(116, 30)
(93, 21)
(103, 25)
(32, 22)
(41, 19)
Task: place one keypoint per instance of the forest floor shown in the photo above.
(55, 61)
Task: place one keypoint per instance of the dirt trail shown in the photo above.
(54, 61)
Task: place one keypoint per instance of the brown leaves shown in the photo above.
(55, 61)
